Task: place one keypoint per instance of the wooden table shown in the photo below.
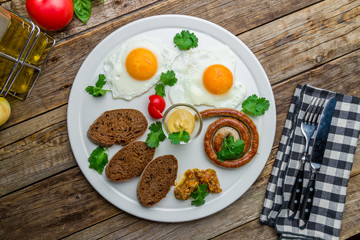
(44, 195)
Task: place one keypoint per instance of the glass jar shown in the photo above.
(24, 49)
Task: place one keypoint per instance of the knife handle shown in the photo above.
(296, 191)
(307, 201)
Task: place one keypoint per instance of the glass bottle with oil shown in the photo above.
(23, 51)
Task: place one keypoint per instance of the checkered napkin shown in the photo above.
(332, 179)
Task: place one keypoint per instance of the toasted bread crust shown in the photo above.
(157, 179)
(120, 126)
(129, 161)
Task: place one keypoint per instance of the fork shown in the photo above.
(308, 127)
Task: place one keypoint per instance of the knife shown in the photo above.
(316, 158)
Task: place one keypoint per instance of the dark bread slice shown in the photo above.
(120, 126)
(129, 161)
(156, 180)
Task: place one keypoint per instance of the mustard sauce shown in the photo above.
(181, 119)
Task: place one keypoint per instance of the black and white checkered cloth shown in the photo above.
(332, 179)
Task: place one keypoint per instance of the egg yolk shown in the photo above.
(141, 64)
(217, 79)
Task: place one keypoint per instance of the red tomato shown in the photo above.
(50, 15)
(156, 106)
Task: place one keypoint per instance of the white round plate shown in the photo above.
(83, 109)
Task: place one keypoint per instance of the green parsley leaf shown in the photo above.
(255, 106)
(155, 136)
(199, 195)
(177, 137)
(101, 81)
(160, 89)
(82, 9)
(230, 149)
(185, 40)
(97, 90)
(98, 159)
(168, 78)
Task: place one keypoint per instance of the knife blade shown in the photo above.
(316, 159)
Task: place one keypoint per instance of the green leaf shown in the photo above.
(255, 106)
(231, 150)
(185, 40)
(199, 195)
(160, 89)
(82, 9)
(101, 81)
(155, 136)
(98, 159)
(168, 78)
(97, 90)
(177, 137)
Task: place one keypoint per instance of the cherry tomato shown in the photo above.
(50, 15)
(156, 106)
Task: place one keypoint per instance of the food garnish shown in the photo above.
(185, 40)
(177, 137)
(199, 195)
(156, 106)
(231, 149)
(255, 106)
(155, 136)
(166, 79)
(98, 159)
(82, 9)
(97, 90)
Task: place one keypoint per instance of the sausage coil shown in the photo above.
(238, 121)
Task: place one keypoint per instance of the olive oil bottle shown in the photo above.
(22, 52)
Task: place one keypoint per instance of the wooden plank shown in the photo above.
(220, 12)
(66, 204)
(45, 140)
(306, 39)
(344, 70)
(53, 208)
(23, 130)
(100, 13)
(53, 87)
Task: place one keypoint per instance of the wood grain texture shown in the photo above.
(100, 13)
(53, 87)
(42, 189)
(221, 12)
(49, 129)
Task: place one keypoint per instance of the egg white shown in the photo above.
(121, 83)
(189, 68)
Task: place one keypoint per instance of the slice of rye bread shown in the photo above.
(156, 180)
(129, 161)
(120, 126)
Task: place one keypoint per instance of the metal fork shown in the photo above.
(308, 127)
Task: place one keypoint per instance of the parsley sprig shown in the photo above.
(231, 149)
(98, 159)
(199, 195)
(185, 40)
(97, 90)
(177, 137)
(166, 79)
(155, 136)
(255, 106)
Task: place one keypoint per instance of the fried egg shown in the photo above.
(206, 77)
(134, 66)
